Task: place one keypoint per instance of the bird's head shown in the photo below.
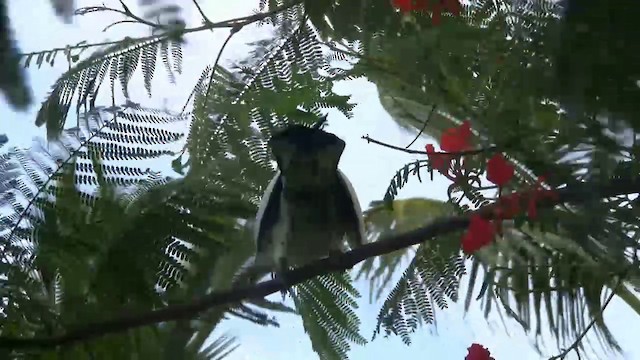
(307, 156)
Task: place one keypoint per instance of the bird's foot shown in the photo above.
(281, 276)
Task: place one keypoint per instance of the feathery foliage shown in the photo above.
(118, 62)
(232, 123)
(491, 65)
(431, 278)
(326, 305)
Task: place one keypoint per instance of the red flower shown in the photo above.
(410, 5)
(508, 206)
(539, 193)
(545, 193)
(405, 6)
(479, 234)
(439, 161)
(456, 139)
(499, 170)
(453, 6)
(436, 16)
(478, 352)
(532, 208)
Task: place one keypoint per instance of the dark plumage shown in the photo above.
(309, 208)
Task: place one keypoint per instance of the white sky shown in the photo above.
(369, 167)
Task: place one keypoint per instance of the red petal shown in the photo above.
(465, 130)
(478, 352)
(439, 161)
(532, 209)
(410, 5)
(499, 170)
(449, 140)
(453, 6)
(455, 139)
(403, 5)
(429, 149)
(480, 233)
(421, 5)
(509, 205)
(539, 193)
(469, 246)
(551, 194)
(436, 16)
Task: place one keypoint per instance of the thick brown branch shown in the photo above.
(576, 194)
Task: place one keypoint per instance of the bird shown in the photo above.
(310, 209)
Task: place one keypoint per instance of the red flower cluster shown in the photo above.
(439, 161)
(457, 139)
(480, 233)
(500, 172)
(508, 206)
(436, 7)
(453, 140)
(478, 352)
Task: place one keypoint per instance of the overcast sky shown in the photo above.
(369, 167)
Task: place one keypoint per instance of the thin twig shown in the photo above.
(409, 151)
(267, 59)
(205, 19)
(424, 126)
(575, 194)
(240, 21)
(233, 31)
(118, 23)
(126, 12)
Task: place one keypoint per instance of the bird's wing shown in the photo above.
(353, 212)
(268, 212)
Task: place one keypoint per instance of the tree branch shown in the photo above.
(575, 194)
(233, 31)
(205, 19)
(230, 23)
(424, 126)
